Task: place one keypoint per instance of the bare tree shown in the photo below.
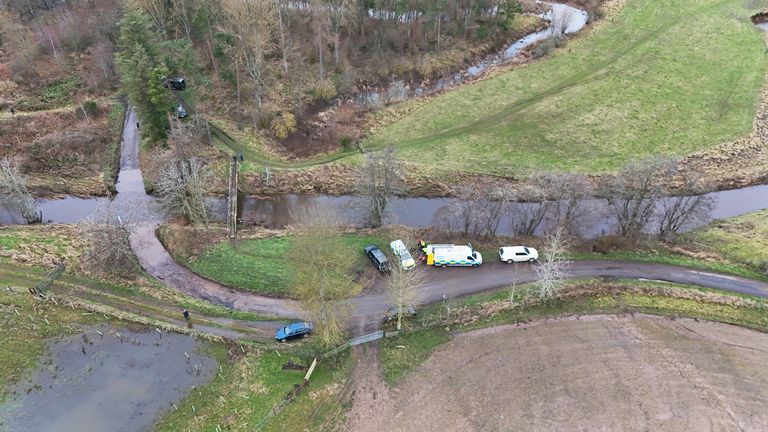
(13, 191)
(690, 206)
(476, 212)
(107, 236)
(551, 268)
(188, 134)
(634, 192)
(528, 216)
(323, 271)
(568, 191)
(181, 189)
(379, 178)
(402, 287)
(251, 24)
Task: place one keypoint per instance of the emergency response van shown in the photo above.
(450, 255)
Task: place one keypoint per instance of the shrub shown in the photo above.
(346, 142)
(325, 89)
(283, 125)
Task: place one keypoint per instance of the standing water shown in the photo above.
(90, 382)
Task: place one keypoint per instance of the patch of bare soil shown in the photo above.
(596, 373)
(760, 18)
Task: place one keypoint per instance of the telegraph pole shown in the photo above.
(232, 200)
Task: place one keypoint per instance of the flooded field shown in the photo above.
(121, 381)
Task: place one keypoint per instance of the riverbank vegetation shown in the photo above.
(436, 323)
(72, 150)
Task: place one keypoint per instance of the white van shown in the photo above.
(401, 252)
(445, 255)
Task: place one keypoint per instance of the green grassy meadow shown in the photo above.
(261, 265)
(668, 77)
(742, 239)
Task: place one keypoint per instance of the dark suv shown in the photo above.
(377, 258)
(175, 83)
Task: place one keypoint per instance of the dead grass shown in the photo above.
(63, 151)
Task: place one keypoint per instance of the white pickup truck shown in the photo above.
(450, 255)
(401, 252)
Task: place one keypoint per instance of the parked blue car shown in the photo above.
(294, 330)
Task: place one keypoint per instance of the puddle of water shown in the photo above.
(762, 26)
(115, 386)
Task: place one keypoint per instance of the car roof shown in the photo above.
(514, 248)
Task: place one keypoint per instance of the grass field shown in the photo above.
(660, 78)
(260, 265)
(742, 239)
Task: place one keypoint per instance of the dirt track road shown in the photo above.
(594, 373)
(450, 282)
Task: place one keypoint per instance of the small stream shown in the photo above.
(563, 19)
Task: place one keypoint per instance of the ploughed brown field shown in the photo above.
(602, 373)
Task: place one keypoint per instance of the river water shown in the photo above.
(275, 211)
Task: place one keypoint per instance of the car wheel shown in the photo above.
(474, 265)
(444, 266)
(282, 340)
(532, 260)
(305, 335)
(509, 261)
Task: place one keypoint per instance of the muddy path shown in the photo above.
(156, 261)
(367, 390)
(121, 380)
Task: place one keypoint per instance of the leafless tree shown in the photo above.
(251, 24)
(379, 178)
(14, 193)
(476, 212)
(691, 205)
(107, 236)
(528, 216)
(181, 189)
(188, 134)
(552, 266)
(568, 191)
(323, 271)
(402, 287)
(634, 192)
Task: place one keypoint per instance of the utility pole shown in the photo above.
(232, 200)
